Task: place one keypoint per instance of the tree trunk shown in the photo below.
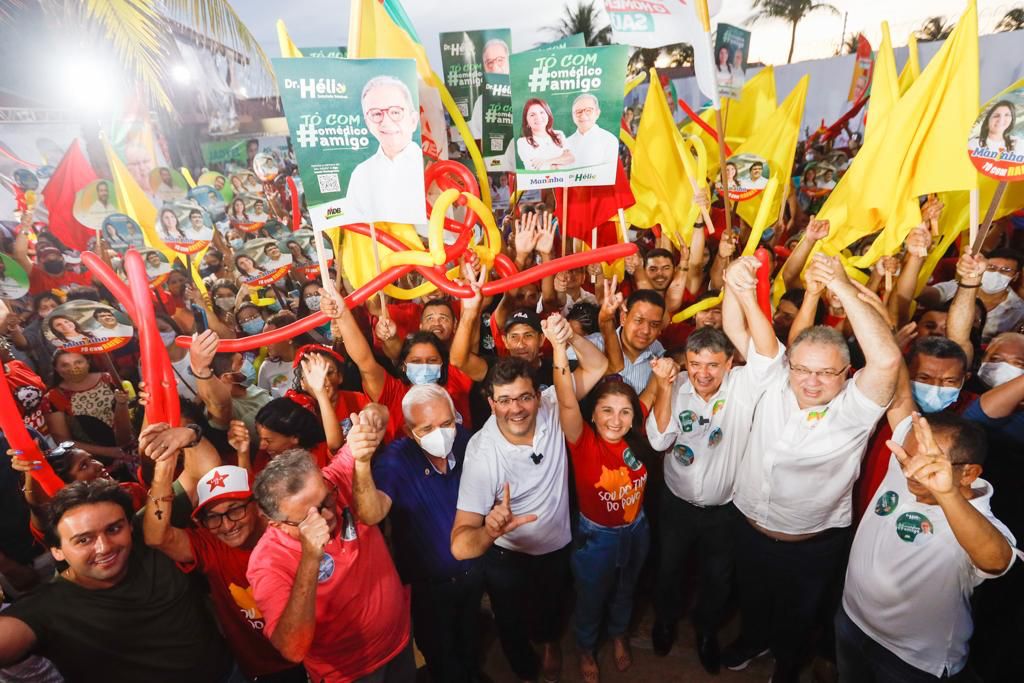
(792, 44)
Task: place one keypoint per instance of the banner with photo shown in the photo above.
(566, 107)
(465, 57)
(996, 143)
(650, 24)
(354, 124)
(732, 46)
(87, 327)
(497, 132)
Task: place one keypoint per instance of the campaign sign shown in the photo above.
(647, 23)
(94, 203)
(465, 57)
(303, 252)
(497, 115)
(732, 45)
(566, 107)
(354, 124)
(261, 262)
(121, 232)
(13, 278)
(747, 175)
(167, 185)
(996, 145)
(158, 268)
(248, 212)
(184, 227)
(87, 327)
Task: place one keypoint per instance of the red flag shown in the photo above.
(595, 207)
(71, 175)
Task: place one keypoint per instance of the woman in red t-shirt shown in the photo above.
(612, 536)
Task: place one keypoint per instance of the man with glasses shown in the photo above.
(593, 146)
(228, 526)
(513, 509)
(388, 186)
(793, 486)
(495, 61)
(324, 581)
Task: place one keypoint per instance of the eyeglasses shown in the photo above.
(803, 372)
(62, 449)
(1005, 270)
(377, 115)
(329, 502)
(489, 64)
(588, 111)
(524, 400)
(213, 520)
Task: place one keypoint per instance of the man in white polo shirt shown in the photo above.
(793, 487)
(916, 559)
(704, 417)
(513, 509)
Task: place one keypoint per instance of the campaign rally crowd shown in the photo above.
(840, 477)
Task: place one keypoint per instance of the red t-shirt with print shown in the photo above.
(610, 480)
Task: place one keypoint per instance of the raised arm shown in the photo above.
(741, 285)
(816, 231)
(592, 361)
(214, 394)
(918, 243)
(1003, 400)
(473, 534)
(726, 250)
(969, 269)
(371, 505)
(371, 372)
(607, 319)
(695, 270)
(156, 522)
(463, 354)
(386, 330)
(545, 246)
(866, 315)
(314, 370)
(663, 374)
(557, 330)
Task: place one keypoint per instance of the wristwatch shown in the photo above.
(198, 431)
(193, 373)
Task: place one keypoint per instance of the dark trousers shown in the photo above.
(527, 594)
(446, 625)
(686, 528)
(783, 587)
(862, 660)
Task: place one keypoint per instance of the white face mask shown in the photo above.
(439, 442)
(995, 374)
(993, 282)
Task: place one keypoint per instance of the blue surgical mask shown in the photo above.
(932, 399)
(248, 372)
(236, 244)
(254, 326)
(422, 373)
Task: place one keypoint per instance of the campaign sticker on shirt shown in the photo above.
(683, 454)
(87, 327)
(913, 527)
(631, 460)
(718, 407)
(815, 416)
(715, 437)
(887, 503)
(686, 419)
(326, 568)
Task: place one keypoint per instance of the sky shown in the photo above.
(325, 22)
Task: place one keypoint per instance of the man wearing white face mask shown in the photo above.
(1001, 269)
(999, 408)
(415, 481)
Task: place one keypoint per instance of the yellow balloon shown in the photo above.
(406, 258)
(696, 308)
(435, 231)
(418, 291)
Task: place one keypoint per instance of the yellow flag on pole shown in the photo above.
(912, 69)
(284, 41)
(775, 141)
(885, 90)
(918, 149)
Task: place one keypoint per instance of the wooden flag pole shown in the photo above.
(975, 213)
(593, 245)
(979, 241)
(321, 258)
(563, 226)
(720, 126)
(376, 266)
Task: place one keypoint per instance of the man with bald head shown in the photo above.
(592, 145)
(389, 185)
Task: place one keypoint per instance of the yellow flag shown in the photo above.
(917, 149)
(775, 140)
(134, 203)
(912, 69)
(663, 192)
(884, 87)
(357, 260)
(284, 40)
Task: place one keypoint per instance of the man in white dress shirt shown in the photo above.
(793, 487)
(929, 542)
(591, 145)
(389, 185)
(495, 61)
(704, 417)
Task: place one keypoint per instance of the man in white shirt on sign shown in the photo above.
(495, 61)
(513, 509)
(389, 185)
(757, 180)
(703, 415)
(591, 145)
(916, 559)
(793, 487)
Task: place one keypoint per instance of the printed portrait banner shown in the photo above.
(647, 23)
(121, 232)
(996, 144)
(732, 46)
(497, 129)
(748, 176)
(167, 185)
(356, 165)
(863, 66)
(158, 268)
(184, 227)
(261, 262)
(303, 252)
(566, 106)
(87, 327)
(94, 203)
(13, 278)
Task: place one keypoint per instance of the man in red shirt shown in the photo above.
(228, 528)
(326, 586)
(50, 272)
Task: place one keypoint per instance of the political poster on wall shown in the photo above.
(996, 144)
(354, 125)
(732, 45)
(566, 106)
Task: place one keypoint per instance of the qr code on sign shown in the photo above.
(329, 182)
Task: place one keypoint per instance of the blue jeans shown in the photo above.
(863, 660)
(606, 562)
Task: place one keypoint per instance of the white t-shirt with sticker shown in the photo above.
(539, 486)
(276, 376)
(909, 581)
(708, 438)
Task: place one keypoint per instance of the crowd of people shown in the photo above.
(840, 475)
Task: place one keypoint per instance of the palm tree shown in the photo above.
(1012, 20)
(850, 45)
(793, 11)
(139, 33)
(583, 19)
(669, 56)
(934, 28)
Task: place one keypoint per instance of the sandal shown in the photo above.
(623, 654)
(551, 667)
(589, 672)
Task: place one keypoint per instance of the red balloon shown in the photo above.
(155, 364)
(18, 437)
(109, 279)
(764, 287)
(296, 209)
(453, 175)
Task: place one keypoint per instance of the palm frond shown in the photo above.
(1013, 20)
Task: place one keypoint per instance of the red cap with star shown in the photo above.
(225, 482)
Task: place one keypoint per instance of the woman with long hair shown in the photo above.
(170, 231)
(997, 128)
(68, 332)
(612, 535)
(542, 147)
(237, 213)
(246, 267)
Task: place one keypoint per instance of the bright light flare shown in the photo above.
(88, 84)
(181, 74)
